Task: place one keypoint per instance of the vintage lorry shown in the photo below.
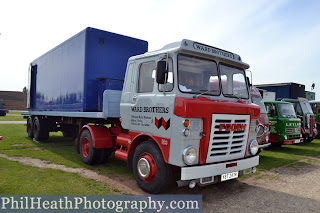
(158, 111)
(315, 105)
(285, 127)
(304, 112)
(263, 132)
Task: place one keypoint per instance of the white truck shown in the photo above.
(182, 111)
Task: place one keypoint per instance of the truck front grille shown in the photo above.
(292, 130)
(228, 138)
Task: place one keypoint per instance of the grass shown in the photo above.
(17, 178)
(21, 179)
(12, 116)
(61, 150)
(274, 157)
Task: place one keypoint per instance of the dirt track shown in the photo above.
(293, 188)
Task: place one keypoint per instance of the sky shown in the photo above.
(280, 40)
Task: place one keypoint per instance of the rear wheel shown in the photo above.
(30, 127)
(40, 129)
(89, 154)
(150, 170)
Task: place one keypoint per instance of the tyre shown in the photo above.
(40, 129)
(318, 130)
(307, 139)
(150, 170)
(277, 144)
(30, 127)
(89, 154)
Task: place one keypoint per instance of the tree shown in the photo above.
(25, 90)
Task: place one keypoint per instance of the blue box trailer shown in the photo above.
(285, 90)
(71, 79)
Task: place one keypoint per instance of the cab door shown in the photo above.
(152, 104)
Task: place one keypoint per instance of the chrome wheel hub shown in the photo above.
(143, 168)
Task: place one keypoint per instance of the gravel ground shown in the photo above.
(293, 188)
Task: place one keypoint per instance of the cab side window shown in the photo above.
(146, 77)
(271, 109)
(298, 109)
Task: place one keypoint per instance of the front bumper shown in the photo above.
(196, 172)
(261, 146)
(292, 141)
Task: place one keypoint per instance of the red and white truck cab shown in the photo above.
(263, 128)
(179, 117)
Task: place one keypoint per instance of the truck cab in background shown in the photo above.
(305, 113)
(315, 105)
(285, 127)
(263, 134)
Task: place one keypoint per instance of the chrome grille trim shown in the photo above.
(227, 145)
(292, 130)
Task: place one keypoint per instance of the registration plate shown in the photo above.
(297, 141)
(229, 176)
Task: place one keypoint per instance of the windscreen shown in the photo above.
(286, 110)
(195, 75)
(200, 76)
(259, 102)
(306, 108)
(233, 82)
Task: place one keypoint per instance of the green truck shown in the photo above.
(305, 113)
(284, 126)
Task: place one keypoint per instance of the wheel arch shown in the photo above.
(101, 136)
(137, 139)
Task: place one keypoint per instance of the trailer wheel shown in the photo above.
(40, 129)
(150, 170)
(30, 127)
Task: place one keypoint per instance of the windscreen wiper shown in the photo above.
(205, 92)
(233, 96)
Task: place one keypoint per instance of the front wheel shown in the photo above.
(150, 170)
(277, 144)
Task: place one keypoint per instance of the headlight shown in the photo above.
(260, 130)
(189, 155)
(286, 137)
(254, 147)
(267, 138)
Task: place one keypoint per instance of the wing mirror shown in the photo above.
(162, 72)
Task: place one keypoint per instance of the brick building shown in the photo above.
(13, 100)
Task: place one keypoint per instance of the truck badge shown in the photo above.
(232, 127)
(161, 122)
